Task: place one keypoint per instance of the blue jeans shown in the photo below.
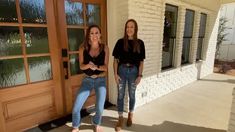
(88, 83)
(128, 76)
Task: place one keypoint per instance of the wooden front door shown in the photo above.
(39, 71)
(74, 18)
(30, 65)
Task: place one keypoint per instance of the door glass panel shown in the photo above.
(10, 42)
(75, 37)
(74, 64)
(8, 11)
(74, 13)
(12, 72)
(39, 68)
(36, 40)
(33, 11)
(93, 14)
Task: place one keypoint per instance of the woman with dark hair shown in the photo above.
(93, 60)
(129, 55)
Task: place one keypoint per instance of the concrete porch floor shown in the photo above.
(202, 106)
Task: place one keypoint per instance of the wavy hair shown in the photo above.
(86, 43)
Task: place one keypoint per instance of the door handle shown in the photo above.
(64, 53)
(66, 71)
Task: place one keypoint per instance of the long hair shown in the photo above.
(86, 43)
(136, 46)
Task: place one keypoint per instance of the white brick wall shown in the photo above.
(150, 17)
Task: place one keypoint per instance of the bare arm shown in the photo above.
(141, 67)
(106, 60)
(115, 69)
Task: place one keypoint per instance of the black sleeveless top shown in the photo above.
(98, 60)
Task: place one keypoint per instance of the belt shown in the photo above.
(103, 74)
(128, 65)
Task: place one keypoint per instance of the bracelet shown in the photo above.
(140, 75)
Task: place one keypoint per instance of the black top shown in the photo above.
(98, 60)
(129, 56)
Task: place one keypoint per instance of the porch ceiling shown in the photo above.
(226, 1)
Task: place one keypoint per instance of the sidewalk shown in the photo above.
(202, 106)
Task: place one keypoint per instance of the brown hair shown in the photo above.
(86, 42)
(136, 46)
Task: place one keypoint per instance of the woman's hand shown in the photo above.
(117, 78)
(137, 80)
(92, 66)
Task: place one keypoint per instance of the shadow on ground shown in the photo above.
(166, 126)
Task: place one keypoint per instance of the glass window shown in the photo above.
(10, 42)
(188, 33)
(202, 30)
(12, 72)
(33, 11)
(39, 68)
(75, 37)
(74, 13)
(8, 11)
(74, 64)
(170, 26)
(36, 40)
(93, 14)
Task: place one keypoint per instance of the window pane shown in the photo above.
(36, 40)
(202, 25)
(10, 42)
(74, 65)
(75, 37)
(167, 56)
(8, 11)
(33, 11)
(199, 49)
(170, 26)
(93, 14)
(39, 69)
(12, 72)
(188, 26)
(74, 13)
(185, 51)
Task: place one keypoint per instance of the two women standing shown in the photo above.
(129, 54)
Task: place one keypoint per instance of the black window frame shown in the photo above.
(187, 37)
(169, 38)
(201, 36)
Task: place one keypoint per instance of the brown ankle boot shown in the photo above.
(129, 120)
(119, 124)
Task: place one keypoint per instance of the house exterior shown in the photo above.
(227, 48)
(39, 43)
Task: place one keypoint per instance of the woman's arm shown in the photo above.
(141, 67)
(106, 60)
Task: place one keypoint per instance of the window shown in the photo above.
(201, 36)
(170, 26)
(188, 33)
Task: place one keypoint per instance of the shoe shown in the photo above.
(119, 124)
(75, 130)
(129, 120)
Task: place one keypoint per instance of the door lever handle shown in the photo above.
(66, 71)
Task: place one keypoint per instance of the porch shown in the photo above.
(202, 106)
